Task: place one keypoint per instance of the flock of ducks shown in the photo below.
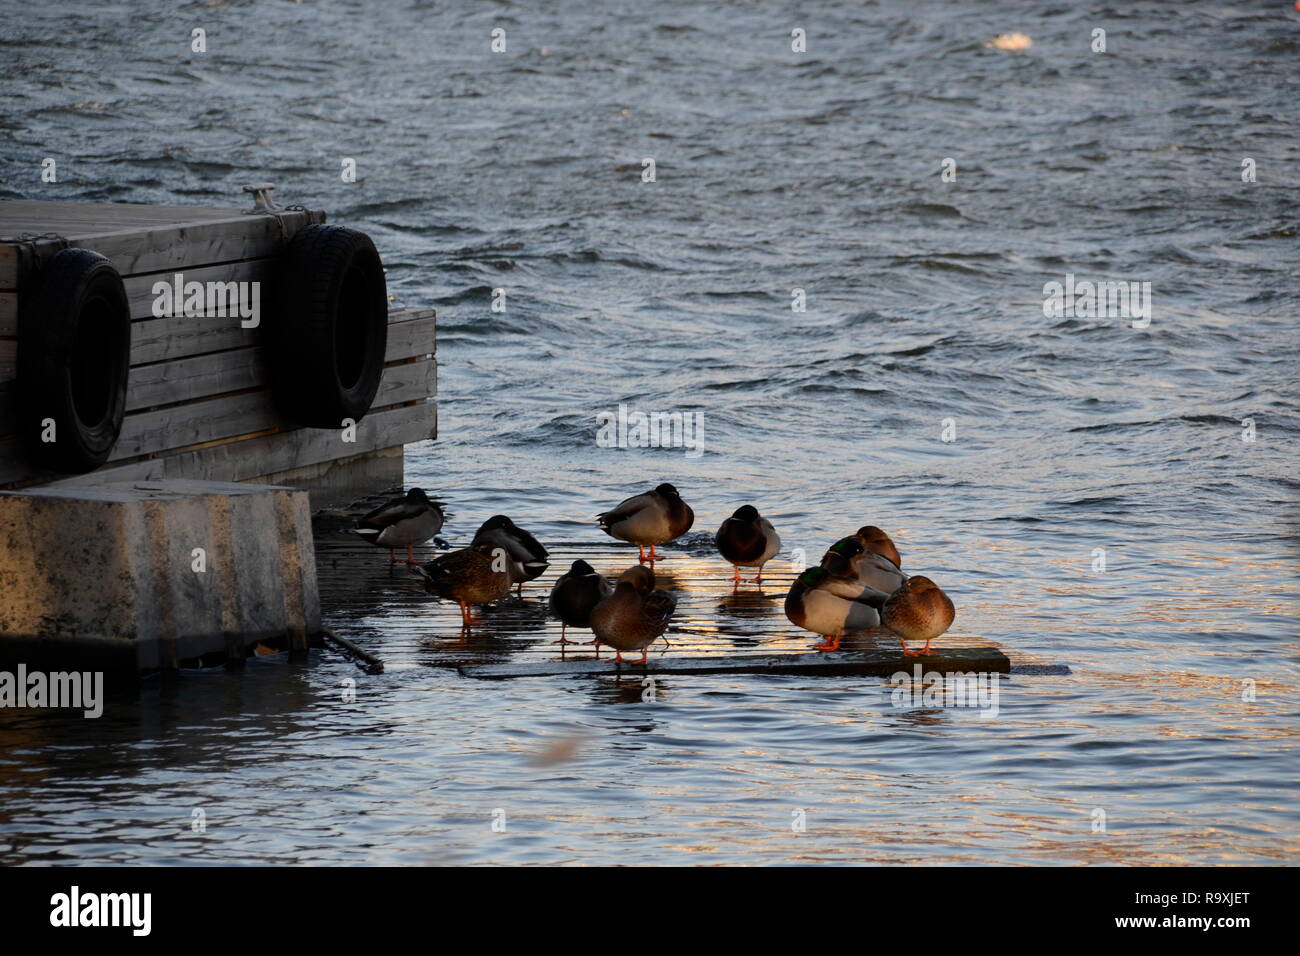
(859, 584)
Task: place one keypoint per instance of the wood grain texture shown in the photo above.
(868, 663)
(142, 239)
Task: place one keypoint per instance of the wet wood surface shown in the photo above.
(718, 627)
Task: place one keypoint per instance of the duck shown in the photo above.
(813, 605)
(918, 611)
(634, 616)
(747, 539)
(847, 557)
(526, 556)
(403, 523)
(873, 539)
(468, 576)
(575, 593)
(650, 518)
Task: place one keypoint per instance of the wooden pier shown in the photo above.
(154, 362)
(199, 402)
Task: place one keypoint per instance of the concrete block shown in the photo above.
(148, 574)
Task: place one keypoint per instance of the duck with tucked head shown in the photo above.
(814, 604)
(474, 575)
(402, 523)
(653, 517)
(876, 541)
(918, 611)
(634, 616)
(526, 557)
(747, 539)
(847, 557)
(575, 593)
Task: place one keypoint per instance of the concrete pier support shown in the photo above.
(149, 575)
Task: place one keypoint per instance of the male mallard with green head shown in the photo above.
(633, 616)
(575, 593)
(527, 557)
(653, 517)
(813, 605)
(747, 539)
(473, 575)
(918, 611)
(402, 523)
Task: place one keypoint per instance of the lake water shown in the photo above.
(775, 171)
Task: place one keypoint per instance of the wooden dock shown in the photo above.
(198, 401)
(717, 629)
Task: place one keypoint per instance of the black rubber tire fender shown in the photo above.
(74, 359)
(329, 330)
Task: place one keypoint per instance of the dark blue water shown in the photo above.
(775, 171)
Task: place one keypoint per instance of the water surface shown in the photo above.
(775, 171)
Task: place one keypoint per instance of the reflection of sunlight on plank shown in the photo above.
(714, 617)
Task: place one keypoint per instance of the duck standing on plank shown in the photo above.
(813, 604)
(474, 575)
(848, 557)
(402, 523)
(527, 558)
(651, 518)
(575, 593)
(634, 616)
(747, 539)
(873, 539)
(918, 611)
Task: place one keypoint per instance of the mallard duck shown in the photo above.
(873, 539)
(527, 558)
(747, 539)
(654, 517)
(473, 575)
(814, 606)
(633, 616)
(918, 611)
(402, 523)
(575, 593)
(848, 557)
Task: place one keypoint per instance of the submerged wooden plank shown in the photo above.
(869, 663)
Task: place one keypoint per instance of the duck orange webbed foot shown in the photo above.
(830, 644)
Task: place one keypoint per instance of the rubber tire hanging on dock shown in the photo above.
(74, 357)
(329, 330)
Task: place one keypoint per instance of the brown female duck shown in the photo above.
(633, 616)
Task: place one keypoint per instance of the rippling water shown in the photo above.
(775, 171)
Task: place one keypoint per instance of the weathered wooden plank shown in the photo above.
(8, 360)
(193, 423)
(250, 458)
(413, 337)
(140, 294)
(8, 314)
(201, 376)
(868, 663)
(190, 240)
(158, 340)
(32, 215)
